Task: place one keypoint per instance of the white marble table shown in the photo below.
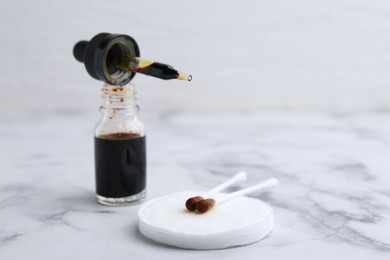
(333, 201)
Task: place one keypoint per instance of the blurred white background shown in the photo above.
(258, 55)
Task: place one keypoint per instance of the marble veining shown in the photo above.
(333, 201)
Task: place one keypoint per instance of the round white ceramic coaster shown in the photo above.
(235, 223)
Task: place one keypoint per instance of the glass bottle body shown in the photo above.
(120, 148)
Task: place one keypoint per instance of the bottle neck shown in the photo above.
(119, 112)
(121, 99)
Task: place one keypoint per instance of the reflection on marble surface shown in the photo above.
(333, 201)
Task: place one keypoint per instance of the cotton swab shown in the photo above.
(206, 204)
(191, 202)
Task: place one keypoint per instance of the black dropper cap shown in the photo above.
(99, 53)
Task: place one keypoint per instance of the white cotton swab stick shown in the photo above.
(204, 205)
(191, 202)
(240, 176)
(267, 184)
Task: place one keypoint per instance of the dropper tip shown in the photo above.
(183, 76)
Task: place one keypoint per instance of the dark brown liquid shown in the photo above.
(159, 70)
(117, 61)
(120, 164)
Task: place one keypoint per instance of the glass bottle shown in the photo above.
(120, 149)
